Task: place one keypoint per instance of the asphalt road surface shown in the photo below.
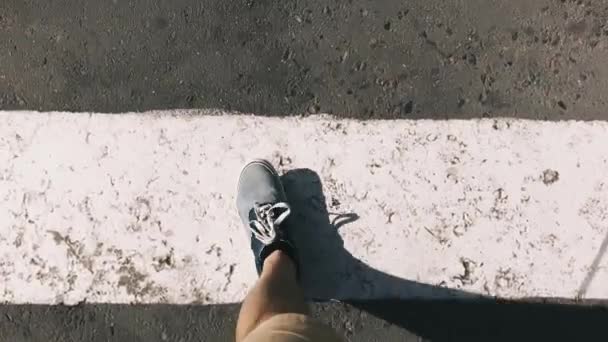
(366, 322)
(390, 59)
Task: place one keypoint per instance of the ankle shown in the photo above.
(279, 262)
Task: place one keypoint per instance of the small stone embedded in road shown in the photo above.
(550, 176)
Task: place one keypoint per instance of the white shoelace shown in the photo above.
(263, 227)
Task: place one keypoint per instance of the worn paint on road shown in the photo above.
(140, 208)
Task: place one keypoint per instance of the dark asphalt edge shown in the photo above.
(380, 320)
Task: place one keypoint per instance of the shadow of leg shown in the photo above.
(329, 271)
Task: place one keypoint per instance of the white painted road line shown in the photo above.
(140, 207)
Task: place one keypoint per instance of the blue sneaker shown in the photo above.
(263, 208)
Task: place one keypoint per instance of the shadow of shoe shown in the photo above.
(331, 272)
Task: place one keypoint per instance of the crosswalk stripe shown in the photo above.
(139, 208)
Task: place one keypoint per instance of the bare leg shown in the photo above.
(276, 292)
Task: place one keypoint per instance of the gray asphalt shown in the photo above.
(370, 321)
(436, 59)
